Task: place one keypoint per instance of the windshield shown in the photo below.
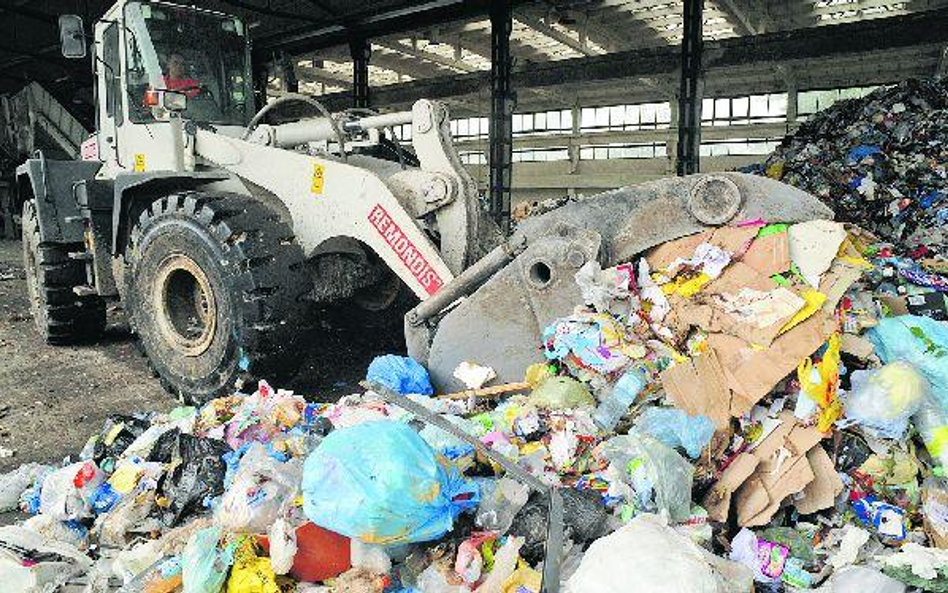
(200, 54)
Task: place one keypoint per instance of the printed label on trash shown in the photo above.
(405, 249)
(319, 176)
(89, 150)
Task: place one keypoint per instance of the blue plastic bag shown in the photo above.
(674, 428)
(400, 373)
(381, 483)
(921, 341)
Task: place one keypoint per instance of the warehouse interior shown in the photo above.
(473, 296)
(594, 91)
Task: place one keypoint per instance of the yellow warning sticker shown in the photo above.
(319, 172)
(139, 162)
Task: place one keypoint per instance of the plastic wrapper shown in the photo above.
(72, 533)
(655, 472)
(119, 432)
(584, 519)
(675, 428)
(505, 563)
(446, 443)
(921, 341)
(15, 482)
(560, 393)
(382, 483)
(198, 475)
(262, 485)
(67, 492)
(134, 560)
(400, 373)
(932, 424)
(500, 501)
(647, 556)
(282, 546)
(251, 573)
(861, 579)
(884, 399)
(203, 565)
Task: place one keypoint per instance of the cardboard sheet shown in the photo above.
(769, 255)
(778, 467)
(752, 373)
(718, 499)
(837, 281)
(821, 493)
(698, 387)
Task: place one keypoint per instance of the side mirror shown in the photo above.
(174, 101)
(169, 100)
(72, 36)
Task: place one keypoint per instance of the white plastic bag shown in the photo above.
(261, 486)
(15, 482)
(646, 555)
(62, 499)
(282, 546)
(882, 400)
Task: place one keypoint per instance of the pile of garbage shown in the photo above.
(878, 161)
(762, 405)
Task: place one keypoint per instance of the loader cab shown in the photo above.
(145, 48)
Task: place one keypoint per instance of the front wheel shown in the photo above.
(60, 315)
(214, 287)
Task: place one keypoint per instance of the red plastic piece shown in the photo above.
(320, 554)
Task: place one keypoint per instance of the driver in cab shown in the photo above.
(177, 78)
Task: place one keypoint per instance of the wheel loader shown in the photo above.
(219, 226)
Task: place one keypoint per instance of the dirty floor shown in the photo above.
(53, 398)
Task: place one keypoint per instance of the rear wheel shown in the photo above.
(60, 315)
(214, 291)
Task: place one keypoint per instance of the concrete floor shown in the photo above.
(52, 399)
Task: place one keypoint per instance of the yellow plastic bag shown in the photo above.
(523, 580)
(251, 573)
(824, 391)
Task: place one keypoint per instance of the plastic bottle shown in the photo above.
(616, 403)
(499, 505)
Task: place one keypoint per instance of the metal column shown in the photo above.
(291, 83)
(361, 51)
(501, 113)
(691, 90)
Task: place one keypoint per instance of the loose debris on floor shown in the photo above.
(754, 405)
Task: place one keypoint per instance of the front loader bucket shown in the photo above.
(493, 314)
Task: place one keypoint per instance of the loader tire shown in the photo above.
(60, 315)
(214, 287)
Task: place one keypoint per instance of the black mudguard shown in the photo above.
(52, 185)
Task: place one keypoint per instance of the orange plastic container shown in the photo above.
(320, 554)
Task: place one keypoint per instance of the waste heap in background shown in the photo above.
(880, 161)
(760, 405)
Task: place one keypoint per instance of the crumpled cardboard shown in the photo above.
(752, 372)
(821, 493)
(731, 239)
(780, 465)
(698, 387)
(713, 309)
(718, 500)
(769, 255)
(856, 345)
